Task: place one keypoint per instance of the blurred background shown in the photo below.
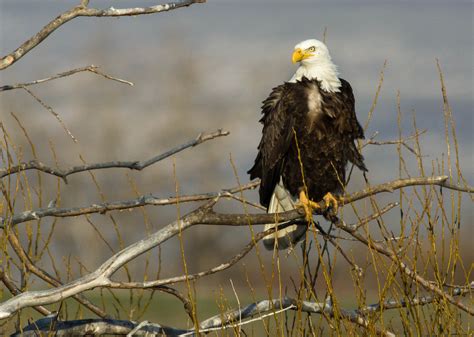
(207, 67)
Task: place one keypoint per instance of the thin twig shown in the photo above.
(223, 266)
(373, 216)
(377, 92)
(403, 142)
(132, 165)
(92, 68)
(54, 113)
(186, 303)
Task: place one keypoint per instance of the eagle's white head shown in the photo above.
(315, 63)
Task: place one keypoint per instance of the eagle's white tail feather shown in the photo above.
(282, 201)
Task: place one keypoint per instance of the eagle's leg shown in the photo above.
(308, 206)
(331, 202)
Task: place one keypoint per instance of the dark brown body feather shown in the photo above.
(323, 126)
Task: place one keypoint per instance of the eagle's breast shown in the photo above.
(314, 104)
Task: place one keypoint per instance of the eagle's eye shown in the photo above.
(311, 49)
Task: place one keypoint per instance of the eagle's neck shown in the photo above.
(324, 71)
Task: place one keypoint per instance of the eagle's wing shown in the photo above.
(350, 126)
(278, 121)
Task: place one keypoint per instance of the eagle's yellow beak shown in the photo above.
(299, 55)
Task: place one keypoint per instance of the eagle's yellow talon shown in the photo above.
(331, 202)
(308, 206)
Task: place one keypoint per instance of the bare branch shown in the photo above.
(420, 300)
(30, 266)
(397, 184)
(373, 216)
(223, 266)
(225, 320)
(54, 113)
(403, 141)
(356, 315)
(227, 219)
(95, 327)
(101, 276)
(132, 165)
(230, 318)
(83, 10)
(5, 278)
(260, 308)
(105, 207)
(92, 68)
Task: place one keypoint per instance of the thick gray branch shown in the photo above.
(101, 276)
(95, 327)
(268, 306)
(98, 278)
(5, 278)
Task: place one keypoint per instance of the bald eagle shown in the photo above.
(308, 138)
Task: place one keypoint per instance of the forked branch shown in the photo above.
(83, 10)
(101, 277)
(92, 68)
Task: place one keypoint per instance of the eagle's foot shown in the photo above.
(308, 206)
(331, 202)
